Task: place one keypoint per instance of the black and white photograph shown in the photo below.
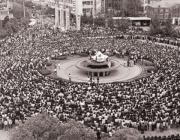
(89, 69)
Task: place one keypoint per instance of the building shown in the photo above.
(146, 3)
(175, 13)
(92, 7)
(62, 14)
(123, 8)
(4, 9)
(88, 7)
(113, 7)
(63, 11)
(164, 9)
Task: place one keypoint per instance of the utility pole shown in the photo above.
(24, 10)
(94, 10)
(106, 13)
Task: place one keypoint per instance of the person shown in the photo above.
(69, 77)
(24, 92)
(98, 134)
(98, 79)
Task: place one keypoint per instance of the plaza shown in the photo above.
(121, 74)
(88, 77)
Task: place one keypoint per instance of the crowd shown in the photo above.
(149, 103)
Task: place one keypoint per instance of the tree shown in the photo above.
(123, 24)
(132, 8)
(3, 33)
(155, 27)
(168, 29)
(49, 11)
(38, 127)
(86, 20)
(18, 11)
(110, 23)
(6, 19)
(29, 4)
(99, 21)
(44, 127)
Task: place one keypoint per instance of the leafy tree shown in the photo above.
(38, 127)
(6, 19)
(123, 24)
(110, 23)
(38, 7)
(18, 11)
(86, 20)
(131, 8)
(29, 4)
(168, 28)
(49, 11)
(3, 33)
(155, 27)
(99, 21)
(44, 127)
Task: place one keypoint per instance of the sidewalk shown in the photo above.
(4, 135)
(164, 133)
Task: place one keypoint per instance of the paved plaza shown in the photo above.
(121, 74)
(4, 135)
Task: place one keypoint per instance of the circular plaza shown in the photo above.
(68, 68)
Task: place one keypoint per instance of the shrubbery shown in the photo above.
(11, 26)
(44, 127)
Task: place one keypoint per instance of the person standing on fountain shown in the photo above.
(69, 77)
(98, 79)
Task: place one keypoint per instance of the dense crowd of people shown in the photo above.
(149, 103)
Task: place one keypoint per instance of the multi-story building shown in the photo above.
(175, 12)
(163, 13)
(113, 7)
(164, 9)
(88, 7)
(82, 7)
(4, 9)
(92, 7)
(146, 3)
(62, 13)
(122, 8)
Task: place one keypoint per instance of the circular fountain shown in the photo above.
(98, 65)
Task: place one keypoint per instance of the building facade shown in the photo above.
(113, 7)
(92, 7)
(164, 10)
(146, 3)
(88, 7)
(62, 13)
(4, 9)
(123, 8)
(175, 12)
(163, 13)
